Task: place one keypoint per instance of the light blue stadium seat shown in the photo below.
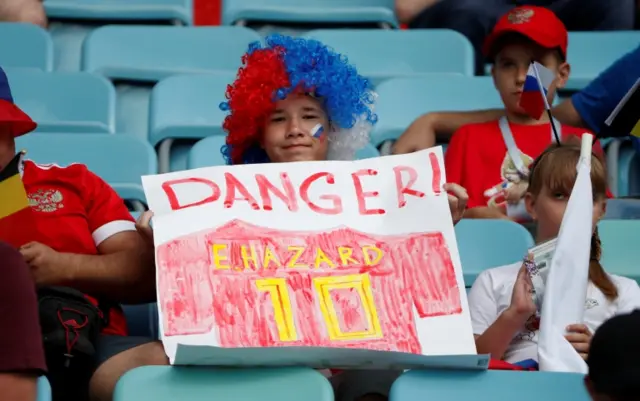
(150, 10)
(368, 151)
(44, 389)
(402, 100)
(65, 102)
(383, 54)
(206, 153)
(486, 243)
(119, 159)
(171, 383)
(310, 11)
(590, 53)
(25, 46)
(152, 53)
(186, 107)
(628, 174)
(621, 247)
(623, 209)
(490, 385)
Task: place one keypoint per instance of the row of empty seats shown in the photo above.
(163, 383)
(150, 53)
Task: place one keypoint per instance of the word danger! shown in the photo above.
(233, 190)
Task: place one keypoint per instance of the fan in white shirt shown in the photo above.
(503, 314)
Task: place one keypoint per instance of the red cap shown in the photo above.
(536, 23)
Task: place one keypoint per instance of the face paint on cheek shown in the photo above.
(317, 131)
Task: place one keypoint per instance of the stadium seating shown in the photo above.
(25, 46)
(170, 383)
(485, 243)
(628, 172)
(119, 159)
(151, 53)
(590, 53)
(620, 250)
(310, 11)
(206, 153)
(491, 385)
(384, 54)
(623, 209)
(402, 100)
(44, 389)
(121, 10)
(143, 55)
(65, 102)
(186, 107)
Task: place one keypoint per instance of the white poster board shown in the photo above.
(324, 264)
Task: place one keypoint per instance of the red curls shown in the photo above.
(252, 97)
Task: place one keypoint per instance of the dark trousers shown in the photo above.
(475, 18)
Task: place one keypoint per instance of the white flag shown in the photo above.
(566, 287)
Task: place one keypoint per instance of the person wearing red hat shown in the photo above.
(87, 241)
(491, 159)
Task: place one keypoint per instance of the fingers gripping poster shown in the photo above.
(325, 264)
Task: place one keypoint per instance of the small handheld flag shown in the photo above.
(534, 94)
(17, 222)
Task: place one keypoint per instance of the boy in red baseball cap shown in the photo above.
(491, 159)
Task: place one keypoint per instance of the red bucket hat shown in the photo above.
(11, 117)
(539, 24)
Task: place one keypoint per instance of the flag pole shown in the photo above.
(543, 93)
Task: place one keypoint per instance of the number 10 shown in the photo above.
(283, 312)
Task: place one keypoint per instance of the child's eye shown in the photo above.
(309, 117)
(277, 119)
(559, 196)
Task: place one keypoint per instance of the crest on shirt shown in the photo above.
(521, 16)
(510, 176)
(46, 200)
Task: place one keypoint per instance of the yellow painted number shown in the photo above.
(283, 313)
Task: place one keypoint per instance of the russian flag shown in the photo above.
(534, 94)
(17, 222)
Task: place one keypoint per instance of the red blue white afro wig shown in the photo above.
(284, 65)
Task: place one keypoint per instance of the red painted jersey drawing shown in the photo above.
(261, 287)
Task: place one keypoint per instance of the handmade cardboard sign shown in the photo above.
(325, 264)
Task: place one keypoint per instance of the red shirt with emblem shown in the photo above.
(477, 157)
(75, 211)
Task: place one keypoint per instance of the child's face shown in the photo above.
(287, 134)
(510, 71)
(547, 209)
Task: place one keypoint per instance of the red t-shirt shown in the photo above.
(75, 210)
(267, 288)
(477, 157)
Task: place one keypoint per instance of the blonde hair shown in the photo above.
(555, 169)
